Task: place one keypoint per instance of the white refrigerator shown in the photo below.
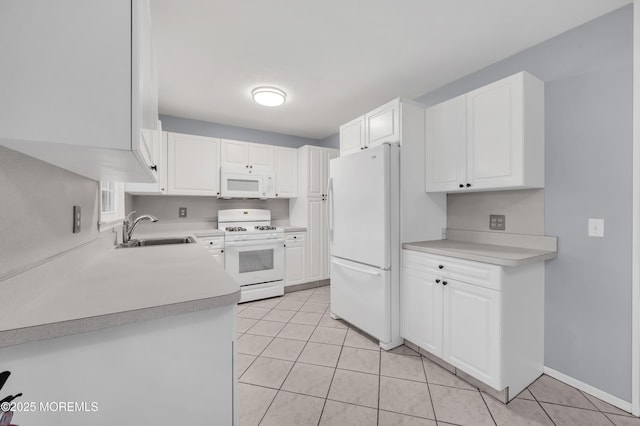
(363, 212)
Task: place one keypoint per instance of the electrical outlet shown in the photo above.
(596, 228)
(497, 222)
(182, 212)
(77, 219)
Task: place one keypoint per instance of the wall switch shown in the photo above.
(182, 212)
(77, 219)
(497, 222)
(596, 228)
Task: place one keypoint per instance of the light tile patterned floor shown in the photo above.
(297, 366)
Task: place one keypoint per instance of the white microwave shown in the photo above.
(247, 182)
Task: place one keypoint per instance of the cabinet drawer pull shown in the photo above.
(154, 168)
(440, 266)
(468, 185)
(437, 281)
(444, 283)
(461, 186)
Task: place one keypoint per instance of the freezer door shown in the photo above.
(360, 294)
(358, 207)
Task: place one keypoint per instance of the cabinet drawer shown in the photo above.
(293, 237)
(481, 274)
(212, 242)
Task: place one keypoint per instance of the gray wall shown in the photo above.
(588, 76)
(216, 130)
(202, 209)
(36, 210)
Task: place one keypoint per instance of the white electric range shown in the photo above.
(254, 252)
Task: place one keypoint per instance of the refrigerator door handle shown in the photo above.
(327, 210)
(353, 268)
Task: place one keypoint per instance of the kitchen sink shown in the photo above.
(156, 242)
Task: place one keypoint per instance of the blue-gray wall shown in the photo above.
(588, 142)
(216, 130)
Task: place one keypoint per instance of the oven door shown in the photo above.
(255, 262)
(241, 183)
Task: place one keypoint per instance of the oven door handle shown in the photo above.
(274, 241)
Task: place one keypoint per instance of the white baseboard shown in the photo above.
(613, 400)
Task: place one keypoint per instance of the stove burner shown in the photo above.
(265, 228)
(234, 228)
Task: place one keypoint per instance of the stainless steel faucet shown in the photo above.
(130, 226)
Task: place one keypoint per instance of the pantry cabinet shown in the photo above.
(486, 320)
(286, 172)
(81, 91)
(295, 258)
(490, 138)
(193, 165)
(245, 154)
(309, 208)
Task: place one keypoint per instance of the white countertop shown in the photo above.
(504, 250)
(97, 286)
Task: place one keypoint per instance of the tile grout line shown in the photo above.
(426, 377)
(488, 409)
(540, 405)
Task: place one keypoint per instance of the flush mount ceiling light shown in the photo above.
(268, 96)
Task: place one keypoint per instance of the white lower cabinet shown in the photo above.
(486, 320)
(295, 258)
(215, 246)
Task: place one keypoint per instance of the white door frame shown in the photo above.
(635, 249)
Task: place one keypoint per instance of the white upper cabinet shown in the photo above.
(502, 132)
(383, 124)
(193, 165)
(245, 154)
(352, 136)
(446, 149)
(286, 172)
(81, 91)
(160, 158)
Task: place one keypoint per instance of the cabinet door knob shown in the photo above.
(437, 281)
(444, 283)
(468, 185)
(247, 166)
(251, 167)
(295, 236)
(221, 251)
(276, 195)
(154, 168)
(461, 186)
(217, 193)
(440, 266)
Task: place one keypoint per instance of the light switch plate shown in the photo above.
(497, 222)
(596, 228)
(182, 212)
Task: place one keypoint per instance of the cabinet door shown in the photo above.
(194, 167)
(472, 331)
(316, 246)
(286, 171)
(352, 137)
(294, 263)
(234, 153)
(495, 134)
(383, 124)
(261, 155)
(446, 145)
(218, 255)
(160, 151)
(422, 310)
(315, 172)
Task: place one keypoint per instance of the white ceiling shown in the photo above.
(336, 59)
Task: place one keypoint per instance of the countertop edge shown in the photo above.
(459, 254)
(82, 325)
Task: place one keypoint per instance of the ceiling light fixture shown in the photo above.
(269, 96)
